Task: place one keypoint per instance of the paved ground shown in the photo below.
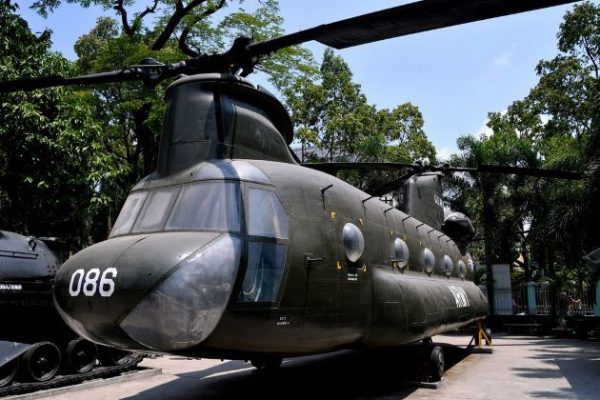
(520, 367)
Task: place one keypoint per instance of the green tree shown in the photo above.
(555, 126)
(168, 31)
(49, 142)
(335, 122)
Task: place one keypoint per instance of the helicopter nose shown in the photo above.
(163, 291)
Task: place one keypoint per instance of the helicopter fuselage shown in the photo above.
(232, 258)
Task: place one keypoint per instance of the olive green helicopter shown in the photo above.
(232, 249)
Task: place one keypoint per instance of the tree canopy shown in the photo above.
(49, 158)
(69, 157)
(335, 122)
(552, 222)
(129, 114)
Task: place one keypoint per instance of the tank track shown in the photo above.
(29, 307)
(99, 372)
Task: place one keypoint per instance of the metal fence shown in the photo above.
(571, 301)
(567, 302)
(519, 298)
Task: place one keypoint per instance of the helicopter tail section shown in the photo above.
(423, 199)
(413, 307)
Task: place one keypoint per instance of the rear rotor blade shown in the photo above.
(332, 167)
(402, 20)
(524, 171)
(391, 186)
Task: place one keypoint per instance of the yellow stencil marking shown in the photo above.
(339, 265)
(333, 214)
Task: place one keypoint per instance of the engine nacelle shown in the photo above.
(459, 227)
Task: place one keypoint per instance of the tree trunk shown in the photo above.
(147, 142)
(488, 219)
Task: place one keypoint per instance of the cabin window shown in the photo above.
(266, 214)
(210, 206)
(400, 253)
(156, 209)
(428, 260)
(448, 265)
(354, 242)
(128, 213)
(263, 272)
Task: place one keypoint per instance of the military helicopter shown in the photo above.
(233, 250)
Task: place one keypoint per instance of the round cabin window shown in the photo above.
(448, 265)
(400, 253)
(428, 260)
(354, 242)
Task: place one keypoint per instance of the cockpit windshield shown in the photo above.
(211, 205)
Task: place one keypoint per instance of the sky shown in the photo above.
(456, 76)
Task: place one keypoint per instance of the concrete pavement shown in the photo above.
(520, 367)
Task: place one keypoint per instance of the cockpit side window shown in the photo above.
(266, 215)
(268, 228)
(128, 213)
(264, 271)
(210, 205)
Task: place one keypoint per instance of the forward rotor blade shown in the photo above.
(501, 169)
(402, 20)
(127, 74)
(398, 21)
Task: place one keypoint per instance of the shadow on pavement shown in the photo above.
(340, 375)
(578, 361)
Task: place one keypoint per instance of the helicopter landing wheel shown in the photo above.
(8, 371)
(266, 363)
(436, 363)
(41, 362)
(81, 355)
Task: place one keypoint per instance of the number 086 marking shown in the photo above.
(93, 281)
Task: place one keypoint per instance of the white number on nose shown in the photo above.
(88, 281)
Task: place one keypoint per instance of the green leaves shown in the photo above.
(335, 117)
(45, 136)
(555, 126)
(335, 122)
(112, 131)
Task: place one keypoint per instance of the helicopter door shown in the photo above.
(317, 238)
(353, 290)
(320, 302)
(354, 240)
